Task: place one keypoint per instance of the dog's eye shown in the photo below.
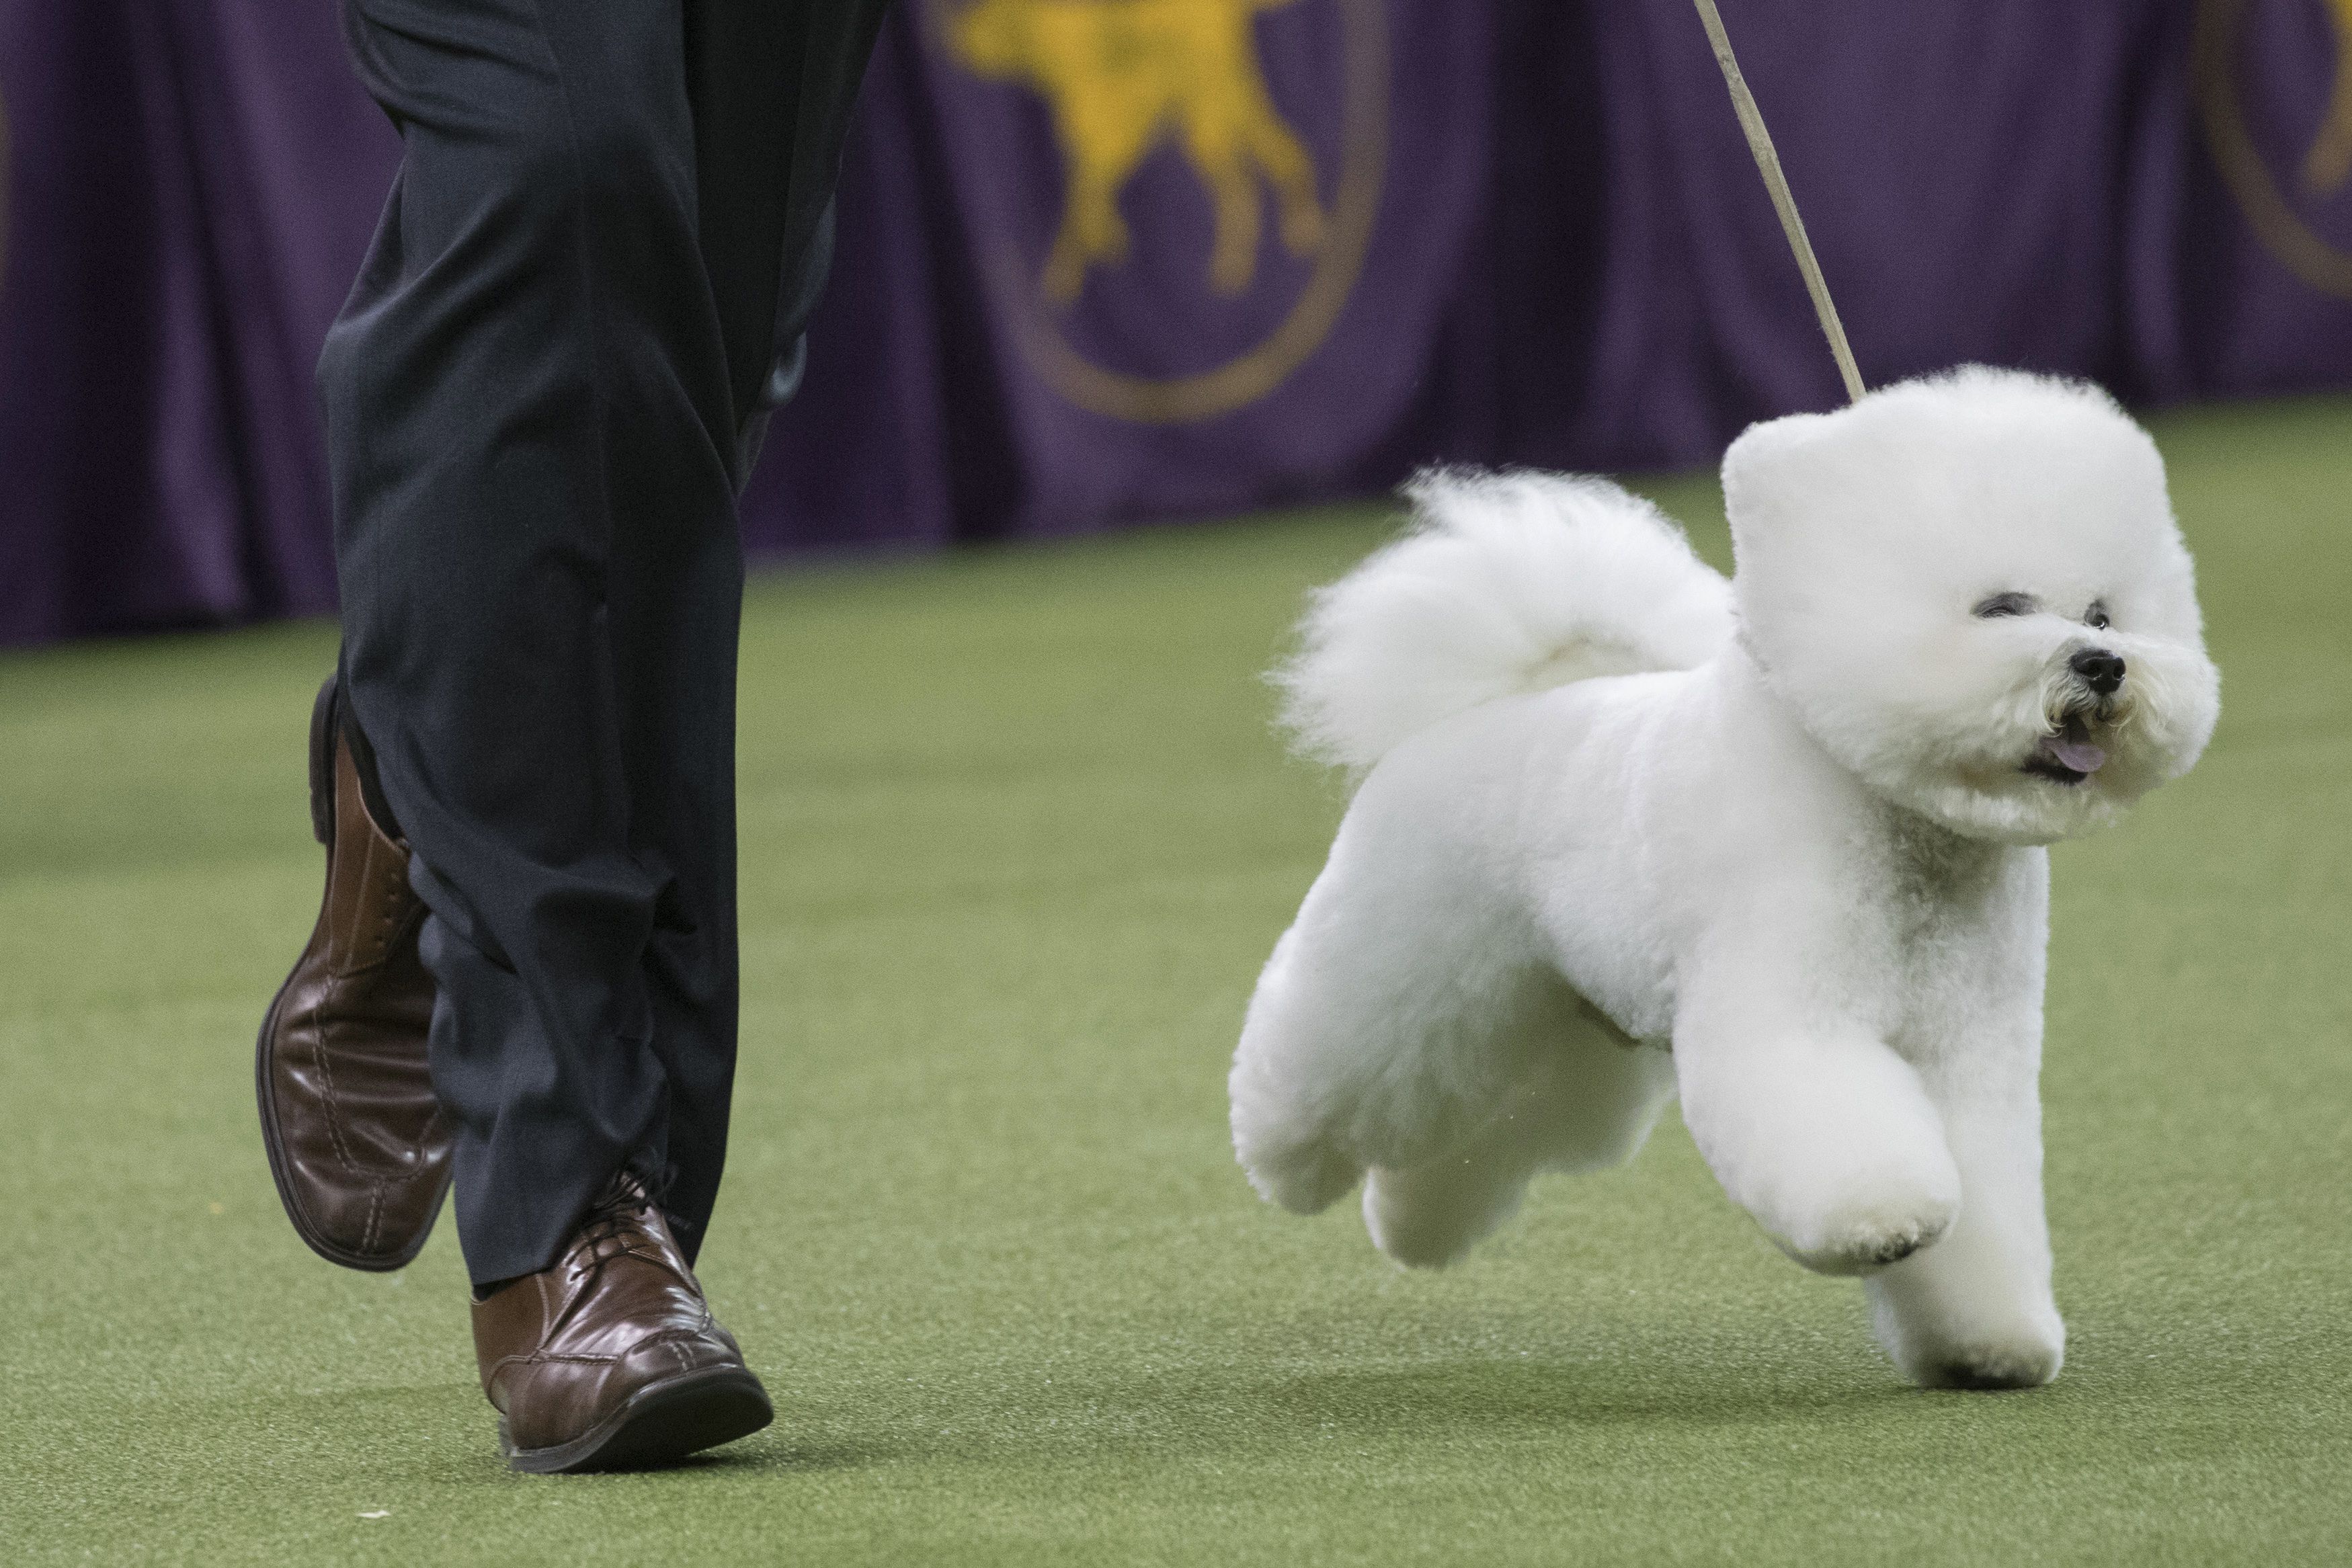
(2002, 605)
(2095, 617)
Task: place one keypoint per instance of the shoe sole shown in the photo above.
(658, 1425)
(323, 826)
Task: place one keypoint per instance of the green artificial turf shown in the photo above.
(1016, 839)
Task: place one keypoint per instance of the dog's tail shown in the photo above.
(1508, 582)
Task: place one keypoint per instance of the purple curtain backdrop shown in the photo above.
(1492, 230)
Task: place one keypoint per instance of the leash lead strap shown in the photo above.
(1768, 163)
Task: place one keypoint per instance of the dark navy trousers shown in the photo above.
(588, 288)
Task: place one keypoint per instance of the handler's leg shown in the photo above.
(770, 84)
(529, 413)
(538, 418)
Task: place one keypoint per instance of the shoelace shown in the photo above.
(625, 1197)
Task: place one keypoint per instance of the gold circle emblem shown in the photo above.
(2326, 168)
(1120, 78)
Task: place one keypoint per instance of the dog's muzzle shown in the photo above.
(2068, 754)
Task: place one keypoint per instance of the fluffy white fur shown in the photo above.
(1626, 831)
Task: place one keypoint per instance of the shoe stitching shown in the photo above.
(396, 891)
(330, 1096)
(673, 1339)
(375, 942)
(400, 903)
(330, 1101)
(388, 918)
(375, 1215)
(322, 1026)
(676, 1344)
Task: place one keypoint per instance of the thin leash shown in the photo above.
(1768, 163)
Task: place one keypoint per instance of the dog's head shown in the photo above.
(1971, 591)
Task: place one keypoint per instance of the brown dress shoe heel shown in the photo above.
(611, 1359)
(358, 1144)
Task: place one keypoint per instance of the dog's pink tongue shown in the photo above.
(2079, 755)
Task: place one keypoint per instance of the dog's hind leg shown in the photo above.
(1588, 1103)
(1390, 1024)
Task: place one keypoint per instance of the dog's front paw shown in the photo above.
(2022, 1358)
(1863, 1237)
(1990, 1369)
(1304, 1177)
(1976, 1312)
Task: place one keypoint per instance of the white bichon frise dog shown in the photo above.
(1626, 829)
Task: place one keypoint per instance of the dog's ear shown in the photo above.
(1769, 466)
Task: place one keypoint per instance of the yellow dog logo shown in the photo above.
(1121, 76)
(2329, 163)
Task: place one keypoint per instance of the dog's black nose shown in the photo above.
(2101, 670)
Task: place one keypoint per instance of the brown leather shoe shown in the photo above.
(611, 1359)
(358, 1143)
